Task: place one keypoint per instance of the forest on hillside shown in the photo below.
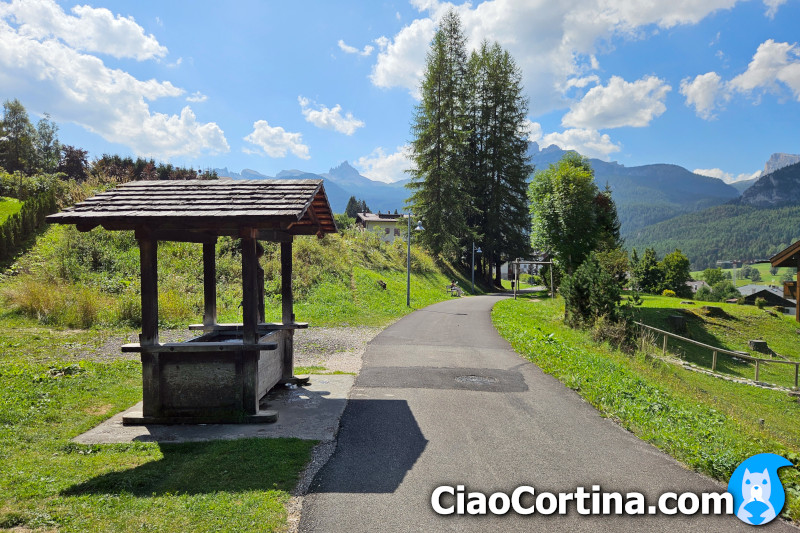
(724, 232)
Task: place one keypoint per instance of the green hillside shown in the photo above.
(723, 232)
(74, 279)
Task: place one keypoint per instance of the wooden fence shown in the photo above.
(715, 351)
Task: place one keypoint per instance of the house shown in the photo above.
(773, 295)
(388, 225)
(790, 257)
(695, 285)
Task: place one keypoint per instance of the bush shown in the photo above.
(761, 302)
(591, 292)
(668, 292)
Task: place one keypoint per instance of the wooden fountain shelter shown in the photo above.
(790, 257)
(221, 375)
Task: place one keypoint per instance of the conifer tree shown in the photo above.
(438, 194)
(497, 158)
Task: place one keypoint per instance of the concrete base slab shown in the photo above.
(310, 412)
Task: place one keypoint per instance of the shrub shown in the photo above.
(761, 302)
(591, 292)
(668, 292)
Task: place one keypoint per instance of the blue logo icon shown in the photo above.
(757, 491)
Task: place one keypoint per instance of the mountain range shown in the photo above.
(659, 205)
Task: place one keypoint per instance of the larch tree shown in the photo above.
(498, 166)
(439, 134)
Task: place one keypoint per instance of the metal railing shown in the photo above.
(716, 350)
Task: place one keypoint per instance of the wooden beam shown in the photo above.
(148, 260)
(249, 290)
(210, 283)
(287, 308)
(287, 298)
(151, 367)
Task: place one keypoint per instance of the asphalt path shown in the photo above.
(442, 399)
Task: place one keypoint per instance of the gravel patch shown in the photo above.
(336, 349)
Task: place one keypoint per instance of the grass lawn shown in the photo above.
(50, 483)
(707, 423)
(8, 206)
(763, 269)
(740, 324)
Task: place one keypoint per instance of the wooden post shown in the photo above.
(714, 361)
(757, 368)
(797, 290)
(210, 282)
(151, 368)
(249, 289)
(148, 259)
(796, 374)
(249, 322)
(287, 310)
(664, 350)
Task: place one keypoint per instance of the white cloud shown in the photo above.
(274, 141)
(581, 82)
(551, 41)
(353, 50)
(329, 118)
(585, 141)
(532, 130)
(704, 92)
(90, 29)
(618, 104)
(197, 97)
(772, 7)
(727, 177)
(387, 168)
(772, 63)
(78, 87)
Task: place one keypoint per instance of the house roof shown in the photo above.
(789, 257)
(217, 207)
(751, 290)
(379, 217)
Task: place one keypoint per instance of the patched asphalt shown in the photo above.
(442, 399)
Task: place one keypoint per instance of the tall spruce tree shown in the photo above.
(497, 159)
(439, 130)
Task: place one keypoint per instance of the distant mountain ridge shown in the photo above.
(778, 161)
(647, 194)
(341, 182)
(763, 221)
(780, 187)
(644, 194)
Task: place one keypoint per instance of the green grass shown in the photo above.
(50, 483)
(8, 206)
(709, 424)
(763, 269)
(731, 332)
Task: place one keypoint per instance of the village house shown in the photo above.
(387, 225)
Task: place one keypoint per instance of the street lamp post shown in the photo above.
(473, 264)
(408, 260)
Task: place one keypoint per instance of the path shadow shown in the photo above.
(207, 467)
(379, 442)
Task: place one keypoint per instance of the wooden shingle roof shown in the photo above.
(789, 257)
(217, 207)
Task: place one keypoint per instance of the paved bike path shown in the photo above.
(442, 399)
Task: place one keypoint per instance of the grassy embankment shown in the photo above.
(56, 382)
(707, 423)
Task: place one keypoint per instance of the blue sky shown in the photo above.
(713, 86)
